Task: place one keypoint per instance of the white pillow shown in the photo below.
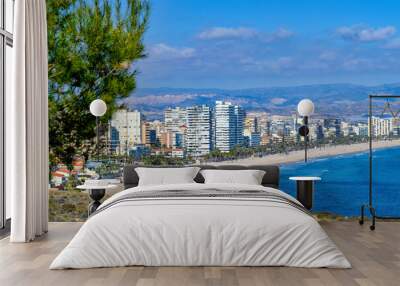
(166, 176)
(248, 177)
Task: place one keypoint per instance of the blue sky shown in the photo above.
(241, 44)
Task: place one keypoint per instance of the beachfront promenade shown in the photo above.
(296, 156)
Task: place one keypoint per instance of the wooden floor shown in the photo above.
(375, 257)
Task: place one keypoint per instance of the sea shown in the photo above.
(345, 182)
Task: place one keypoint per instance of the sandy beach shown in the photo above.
(297, 156)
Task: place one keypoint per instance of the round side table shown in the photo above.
(96, 193)
(305, 190)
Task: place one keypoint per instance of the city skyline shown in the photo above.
(196, 131)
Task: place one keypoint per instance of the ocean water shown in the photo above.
(344, 185)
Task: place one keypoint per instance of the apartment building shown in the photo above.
(199, 129)
(126, 130)
(229, 125)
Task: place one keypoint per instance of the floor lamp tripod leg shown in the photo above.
(361, 221)
(372, 226)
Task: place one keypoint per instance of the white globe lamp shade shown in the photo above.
(98, 107)
(305, 107)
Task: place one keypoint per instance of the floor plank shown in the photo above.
(375, 257)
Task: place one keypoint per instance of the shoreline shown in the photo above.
(298, 156)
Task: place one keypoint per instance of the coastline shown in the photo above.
(298, 156)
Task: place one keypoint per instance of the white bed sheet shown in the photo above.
(200, 232)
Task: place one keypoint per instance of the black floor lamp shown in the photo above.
(305, 108)
(98, 108)
(370, 206)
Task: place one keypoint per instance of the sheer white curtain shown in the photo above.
(27, 124)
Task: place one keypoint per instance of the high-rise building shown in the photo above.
(251, 124)
(396, 126)
(149, 135)
(267, 128)
(229, 125)
(240, 116)
(114, 139)
(198, 132)
(174, 118)
(382, 126)
(361, 129)
(157, 125)
(263, 123)
(320, 132)
(179, 140)
(125, 130)
(252, 136)
(225, 124)
(335, 123)
(213, 128)
(166, 139)
(282, 127)
(251, 139)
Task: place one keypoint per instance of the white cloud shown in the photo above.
(160, 99)
(163, 99)
(223, 33)
(393, 44)
(271, 65)
(365, 34)
(327, 56)
(162, 50)
(282, 63)
(282, 33)
(360, 64)
(243, 33)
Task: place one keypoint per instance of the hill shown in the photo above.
(330, 99)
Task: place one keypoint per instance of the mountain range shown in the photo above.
(339, 100)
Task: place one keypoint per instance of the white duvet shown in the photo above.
(200, 231)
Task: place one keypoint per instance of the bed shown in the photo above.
(197, 224)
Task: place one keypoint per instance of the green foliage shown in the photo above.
(280, 147)
(72, 183)
(69, 205)
(160, 160)
(93, 46)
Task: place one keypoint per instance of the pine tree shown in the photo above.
(93, 48)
